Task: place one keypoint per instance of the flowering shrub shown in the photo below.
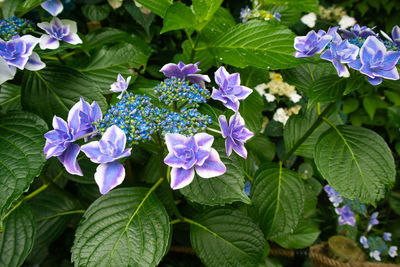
(145, 133)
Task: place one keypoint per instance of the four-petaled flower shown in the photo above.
(235, 134)
(230, 91)
(373, 220)
(188, 71)
(189, 153)
(107, 151)
(358, 31)
(312, 43)
(346, 216)
(54, 7)
(120, 85)
(58, 30)
(339, 54)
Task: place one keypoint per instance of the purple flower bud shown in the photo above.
(58, 30)
(364, 241)
(188, 71)
(346, 216)
(189, 153)
(120, 85)
(54, 7)
(311, 44)
(230, 91)
(373, 220)
(340, 53)
(333, 195)
(387, 236)
(235, 134)
(357, 31)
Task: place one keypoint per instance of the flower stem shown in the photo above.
(214, 130)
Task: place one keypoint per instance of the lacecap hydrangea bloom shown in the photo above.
(346, 216)
(311, 44)
(58, 30)
(14, 27)
(120, 86)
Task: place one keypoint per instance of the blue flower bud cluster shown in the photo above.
(14, 26)
(176, 90)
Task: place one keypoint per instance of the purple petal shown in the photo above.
(181, 177)
(201, 155)
(73, 117)
(212, 166)
(228, 146)
(54, 7)
(45, 26)
(68, 159)
(355, 64)
(34, 63)
(170, 70)
(189, 69)
(245, 92)
(93, 152)
(341, 69)
(233, 105)
(109, 175)
(171, 140)
(173, 161)
(48, 42)
(224, 125)
(392, 74)
(217, 95)
(239, 149)
(204, 140)
(374, 81)
(327, 55)
(72, 38)
(60, 124)
(115, 136)
(71, 24)
(396, 33)
(391, 59)
(221, 75)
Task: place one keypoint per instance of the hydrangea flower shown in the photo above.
(357, 31)
(88, 114)
(235, 134)
(332, 31)
(364, 241)
(58, 30)
(107, 151)
(309, 45)
(280, 116)
(346, 216)
(54, 7)
(230, 91)
(333, 195)
(373, 220)
(395, 36)
(387, 236)
(295, 97)
(188, 71)
(120, 85)
(340, 53)
(189, 153)
(376, 255)
(392, 251)
(245, 14)
(376, 62)
(5, 72)
(18, 53)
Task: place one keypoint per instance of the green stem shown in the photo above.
(214, 130)
(61, 214)
(70, 54)
(309, 132)
(50, 58)
(248, 176)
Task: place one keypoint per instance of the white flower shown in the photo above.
(392, 251)
(346, 22)
(309, 19)
(269, 97)
(280, 115)
(5, 72)
(376, 255)
(261, 88)
(294, 97)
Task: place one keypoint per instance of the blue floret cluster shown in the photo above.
(14, 26)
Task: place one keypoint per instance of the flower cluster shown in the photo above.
(14, 27)
(359, 48)
(379, 245)
(346, 215)
(257, 13)
(187, 122)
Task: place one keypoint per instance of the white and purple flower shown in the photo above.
(333, 195)
(373, 220)
(235, 134)
(58, 30)
(392, 251)
(358, 31)
(187, 154)
(311, 44)
(54, 7)
(364, 241)
(230, 91)
(387, 236)
(188, 71)
(376, 254)
(395, 36)
(120, 85)
(340, 53)
(346, 216)
(107, 151)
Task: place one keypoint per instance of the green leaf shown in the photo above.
(262, 148)
(103, 36)
(220, 190)
(350, 105)
(372, 103)
(303, 236)
(16, 241)
(178, 16)
(10, 97)
(205, 58)
(8, 8)
(393, 96)
(96, 12)
(251, 76)
(278, 197)
(141, 18)
(326, 89)
(21, 156)
(55, 89)
(226, 237)
(256, 43)
(204, 11)
(26, 6)
(356, 161)
(125, 227)
(394, 202)
(219, 24)
(158, 7)
(298, 125)
(304, 5)
(250, 109)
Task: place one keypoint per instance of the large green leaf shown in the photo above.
(10, 97)
(178, 16)
(8, 8)
(205, 58)
(226, 237)
(100, 37)
(158, 7)
(304, 5)
(204, 11)
(220, 190)
(303, 236)
(21, 155)
(26, 6)
(250, 109)
(55, 89)
(326, 89)
(125, 227)
(219, 24)
(355, 161)
(278, 197)
(16, 240)
(262, 148)
(256, 43)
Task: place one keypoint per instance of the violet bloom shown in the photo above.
(188, 71)
(58, 30)
(358, 31)
(373, 220)
(235, 134)
(54, 7)
(189, 153)
(392, 251)
(107, 151)
(376, 254)
(230, 91)
(18, 53)
(333, 195)
(364, 241)
(332, 31)
(87, 115)
(120, 85)
(387, 236)
(309, 45)
(395, 36)
(340, 53)
(376, 62)
(346, 216)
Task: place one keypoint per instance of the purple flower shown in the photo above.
(87, 115)
(392, 251)
(364, 241)
(309, 45)
(247, 188)
(120, 85)
(333, 195)
(376, 62)
(387, 236)
(18, 53)
(230, 91)
(235, 134)
(346, 216)
(358, 31)
(277, 16)
(332, 31)
(373, 220)
(54, 7)
(340, 53)
(58, 30)
(245, 14)
(107, 151)
(376, 255)
(189, 153)
(395, 36)
(188, 71)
